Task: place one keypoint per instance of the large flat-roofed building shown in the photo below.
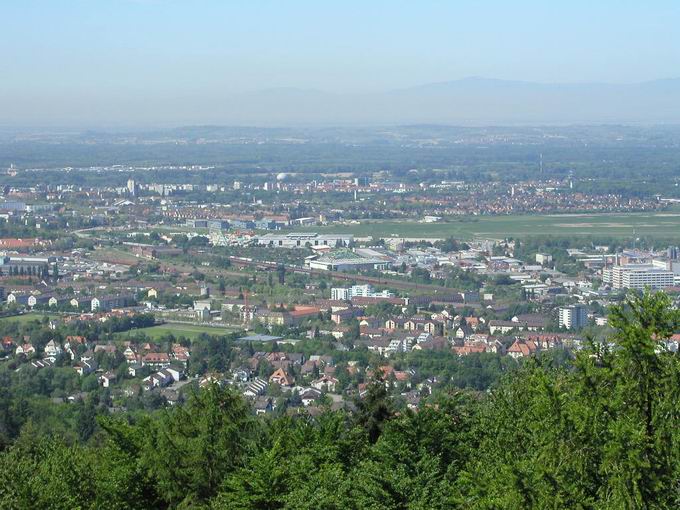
(197, 223)
(300, 240)
(29, 266)
(12, 205)
(639, 276)
(669, 264)
(347, 260)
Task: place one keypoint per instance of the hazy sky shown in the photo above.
(114, 52)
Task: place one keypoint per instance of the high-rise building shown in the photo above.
(543, 258)
(132, 187)
(573, 317)
(340, 294)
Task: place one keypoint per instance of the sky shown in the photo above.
(119, 56)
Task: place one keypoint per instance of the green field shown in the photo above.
(186, 330)
(623, 225)
(28, 317)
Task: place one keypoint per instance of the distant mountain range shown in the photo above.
(474, 101)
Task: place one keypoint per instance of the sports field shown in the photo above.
(186, 330)
(624, 225)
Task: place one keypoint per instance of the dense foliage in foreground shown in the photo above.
(601, 434)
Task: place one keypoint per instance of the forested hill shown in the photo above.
(602, 433)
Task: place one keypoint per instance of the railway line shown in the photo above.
(374, 280)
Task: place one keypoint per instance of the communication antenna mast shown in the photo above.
(634, 240)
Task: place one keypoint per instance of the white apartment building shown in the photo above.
(367, 291)
(340, 293)
(345, 294)
(573, 317)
